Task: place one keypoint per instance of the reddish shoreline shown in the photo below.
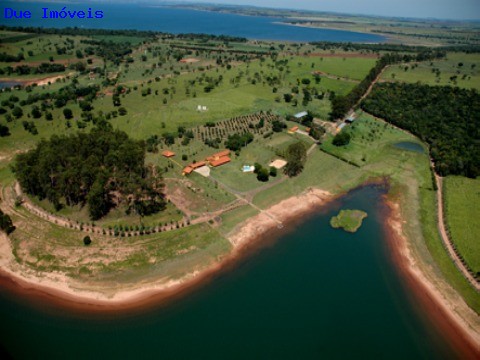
(149, 296)
(437, 309)
(425, 295)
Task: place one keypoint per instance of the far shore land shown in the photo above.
(436, 299)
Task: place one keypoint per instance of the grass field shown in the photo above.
(163, 93)
(370, 138)
(462, 197)
(461, 70)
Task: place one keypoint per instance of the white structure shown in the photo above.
(300, 114)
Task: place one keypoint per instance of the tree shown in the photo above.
(87, 240)
(98, 200)
(278, 126)
(6, 223)
(4, 131)
(169, 138)
(67, 113)
(296, 155)
(342, 138)
(273, 171)
(287, 97)
(262, 174)
(17, 112)
(36, 114)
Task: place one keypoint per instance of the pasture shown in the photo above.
(462, 196)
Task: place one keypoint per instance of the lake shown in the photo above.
(170, 20)
(9, 84)
(315, 292)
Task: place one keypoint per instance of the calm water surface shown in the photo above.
(410, 146)
(316, 292)
(122, 16)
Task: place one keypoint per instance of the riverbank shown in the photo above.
(433, 295)
(104, 297)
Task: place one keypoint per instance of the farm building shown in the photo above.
(220, 161)
(168, 153)
(293, 130)
(218, 155)
(189, 168)
(350, 119)
(300, 115)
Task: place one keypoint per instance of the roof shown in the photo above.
(187, 170)
(300, 114)
(293, 129)
(220, 161)
(218, 155)
(198, 164)
(168, 153)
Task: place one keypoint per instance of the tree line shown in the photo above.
(101, 169)
(443, 116)
(341, 105)
(44, 68)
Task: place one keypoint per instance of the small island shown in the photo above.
(348, 220)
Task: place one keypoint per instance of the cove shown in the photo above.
(314, 292)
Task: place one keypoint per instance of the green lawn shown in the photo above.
(370, 138)
(462, 211)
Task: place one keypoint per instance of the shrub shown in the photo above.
(87, 240)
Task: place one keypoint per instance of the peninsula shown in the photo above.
(176, 154)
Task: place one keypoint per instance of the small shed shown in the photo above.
(168, 153)
(293, 130)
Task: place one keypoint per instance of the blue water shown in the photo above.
(180, 21)
(314, 293)
(8, 84)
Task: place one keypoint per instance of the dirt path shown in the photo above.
(446, 239)
(10, 198)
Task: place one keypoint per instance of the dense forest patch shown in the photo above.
(101, 169)
(445, 117)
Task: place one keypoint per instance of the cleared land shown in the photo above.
(462, 196)
(461, 70)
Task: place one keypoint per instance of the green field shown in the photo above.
(462, 196)
(161, 93)
(370, 138)
(461, 70)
